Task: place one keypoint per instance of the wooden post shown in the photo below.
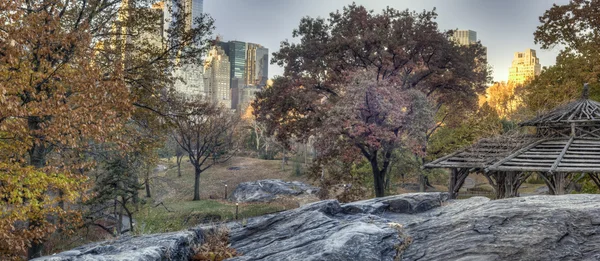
(560, 183)
(236, 210)
(451, 184)
(225, 191)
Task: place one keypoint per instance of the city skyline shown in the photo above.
(504, 27)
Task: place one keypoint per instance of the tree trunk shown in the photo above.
(257, 139)
(457, 180)
(147, 183)
(378, 178)
(283, 161)
(179, 158)
(422, 186)
(196, 183)
(37, 159)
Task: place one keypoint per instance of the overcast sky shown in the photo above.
(504, 26)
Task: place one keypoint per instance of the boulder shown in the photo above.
(167, 246)
(530, 228)
(318, 231)
(269, 189)
(418, 226)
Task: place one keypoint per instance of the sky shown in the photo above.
(503, 26)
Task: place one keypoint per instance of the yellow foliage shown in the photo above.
(502, 97)
(30, 205)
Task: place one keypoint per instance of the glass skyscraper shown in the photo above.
(262, 65)
(236, 51)
(197, 9)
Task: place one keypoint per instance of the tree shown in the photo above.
(503, 98)
(573, 27)
(376, 118)
(72, 74)
(206, 132)
(403, 49)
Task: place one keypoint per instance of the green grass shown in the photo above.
(185, 214)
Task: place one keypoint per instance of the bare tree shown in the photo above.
(206, 132)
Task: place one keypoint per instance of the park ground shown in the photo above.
(171, 207)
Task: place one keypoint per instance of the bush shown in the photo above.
(216, 246)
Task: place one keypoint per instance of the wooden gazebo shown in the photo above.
(566, 142)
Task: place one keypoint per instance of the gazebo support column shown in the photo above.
(506, 184)
(496, 179)
(557, 182)
(457, 179)
(513, 182)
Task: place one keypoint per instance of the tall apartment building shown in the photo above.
(217, 76)
(192, 82)
(236, 51)
(249, 68)
(465, 37)
(257, 65)
(194, 9)
(525, 66)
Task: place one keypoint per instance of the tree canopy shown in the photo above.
(407, 59)
(74, 74)
(574, 28)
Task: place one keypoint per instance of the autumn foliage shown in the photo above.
(367, 83)
(78, 77)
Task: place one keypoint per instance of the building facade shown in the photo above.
(246, 96)
(189, 81)
(194, 9)
(249, 66)
(217, 76)
(465, 37)
(525, 66)
(257, 65)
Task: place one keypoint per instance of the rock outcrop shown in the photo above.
(167, 246)
(269, 189)
(528, 228)
(403, 227)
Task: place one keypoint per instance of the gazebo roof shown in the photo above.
(579, 111)
(554, 155)
(575, 151)
(483, 153)
(526, 153)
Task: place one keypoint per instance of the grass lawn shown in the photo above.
(184, 214)
(179, 212)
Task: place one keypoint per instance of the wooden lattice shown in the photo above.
(484, 153)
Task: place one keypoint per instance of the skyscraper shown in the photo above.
(262, 65)
(525, 66)
(217, 76)
(465, 37)
(249, 66)
(257, 65)
(194, 8)
(190, 81)
(236, 51)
